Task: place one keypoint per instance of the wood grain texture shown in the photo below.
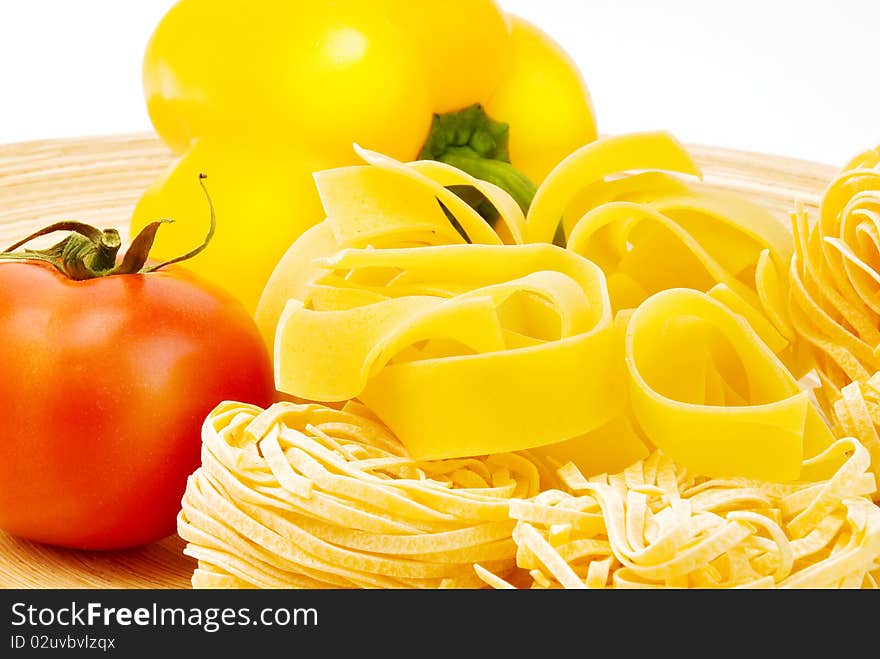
(99, 181)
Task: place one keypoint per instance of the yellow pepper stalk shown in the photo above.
(259, 94)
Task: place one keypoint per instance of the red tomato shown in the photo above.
(104, 384)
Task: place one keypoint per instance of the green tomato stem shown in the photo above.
(88, 252)
(212, 227)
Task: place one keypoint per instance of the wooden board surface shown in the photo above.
(100, 180)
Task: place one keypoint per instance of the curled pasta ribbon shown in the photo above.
(306, 496)
(867, 159)
(461, 344)
(595, 162)
(856, 413)
(835, 279)
(652, 231)
(656, 525)
(648, 231)
(459, 349)
(386, 204)
(708, 391)
(405, 298)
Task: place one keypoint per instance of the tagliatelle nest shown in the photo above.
(835, 281)
(655, 525)
(307, 496)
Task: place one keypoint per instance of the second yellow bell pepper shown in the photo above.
(259, 94)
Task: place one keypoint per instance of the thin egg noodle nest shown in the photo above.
(307, 496)
(835, 299)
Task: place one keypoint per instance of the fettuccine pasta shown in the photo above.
(835, 298)
(657, 525)
(835, 280)
(385, 204)
(449, 336)
(307, 496)
(707, 391)
(454, 368)
(856, 413)
(464, 342)
(652, 231)
(490, 381)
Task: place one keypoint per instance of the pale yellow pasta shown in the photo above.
(406, 299)
(661, 527)
(653, 231)
(835, 280)
(305, 496)
(835, 299)
(856, 412)
(659, 364)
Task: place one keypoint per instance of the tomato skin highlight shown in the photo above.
(105, 385)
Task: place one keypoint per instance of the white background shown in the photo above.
(779, 76)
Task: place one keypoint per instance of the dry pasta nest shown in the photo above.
(834, 279)
(655, 526)
(308, 496)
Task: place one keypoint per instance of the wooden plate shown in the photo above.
(99, 181)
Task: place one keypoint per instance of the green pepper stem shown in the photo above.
(503, 174)
(477, 144)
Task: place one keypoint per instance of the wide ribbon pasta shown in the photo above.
(494, 380)
(465, 340)
(707, 391)
(407, 300)
(305, 496)
(595, 162)
(623, 203)
(385, 204)
(657, 525)
(652, 231)
(467, 349)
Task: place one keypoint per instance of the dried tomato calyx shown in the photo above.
(88, 252)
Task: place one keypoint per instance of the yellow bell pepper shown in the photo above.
(259, 94)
